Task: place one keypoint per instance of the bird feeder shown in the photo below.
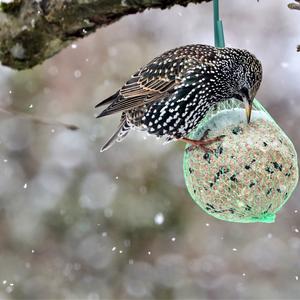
(252, 172)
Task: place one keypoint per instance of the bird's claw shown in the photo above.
(220, 138)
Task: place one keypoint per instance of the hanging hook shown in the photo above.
(218, 27)
(220, 42)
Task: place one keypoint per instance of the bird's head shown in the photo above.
(247, 78)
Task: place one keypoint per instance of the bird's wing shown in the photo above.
(151, 83)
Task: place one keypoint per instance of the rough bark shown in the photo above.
(297, 7)
(34, 30)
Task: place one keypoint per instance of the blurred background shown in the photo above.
(79, 224)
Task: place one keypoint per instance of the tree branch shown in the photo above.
(297, 7)
(34, 30)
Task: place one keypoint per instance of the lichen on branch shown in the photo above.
(34, 30)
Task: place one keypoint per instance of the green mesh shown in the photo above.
(250, 174)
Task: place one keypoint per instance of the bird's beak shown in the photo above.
(248, 109)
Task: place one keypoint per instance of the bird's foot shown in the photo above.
(203, 142)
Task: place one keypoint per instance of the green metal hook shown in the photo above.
(218, 27)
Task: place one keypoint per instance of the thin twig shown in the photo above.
(39, 120)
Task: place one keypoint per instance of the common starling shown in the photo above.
(170, 95)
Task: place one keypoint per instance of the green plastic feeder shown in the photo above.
(250, 174)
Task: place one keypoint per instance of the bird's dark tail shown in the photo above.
(108, 100)
(119, 135)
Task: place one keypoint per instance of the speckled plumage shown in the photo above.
(169, 96)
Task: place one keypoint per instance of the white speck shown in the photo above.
(10, 92)
(207, 224)
(117, 177)
(124, 3)
(234, 249)
(296, 211)
(74, 46)
(5, 160)
(296, 230)
(30, 106)
(121, 251)
(77, 74)
(25, 186)
(297, 277)
(113, 249)
(269, 235)
(159, 218)
(244, 274)
(173, 239)
(104, 234)
(4, 281)
(11, 284)
(52, 130)
(32, 251)
(284, 64)
(149, 252)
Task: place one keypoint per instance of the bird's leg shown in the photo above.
(203, 142)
